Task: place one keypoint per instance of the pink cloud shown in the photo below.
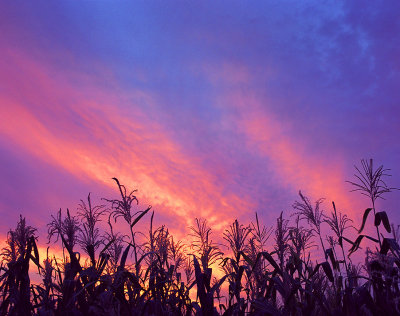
(290, 162)
(101, 132)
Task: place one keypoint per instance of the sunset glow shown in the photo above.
(213, 122)
(219, 117)
(206, 124)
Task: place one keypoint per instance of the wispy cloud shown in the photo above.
(210, 112)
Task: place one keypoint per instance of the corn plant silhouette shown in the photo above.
(252, 269)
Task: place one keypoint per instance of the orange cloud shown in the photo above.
(67, 120)
(289, 160)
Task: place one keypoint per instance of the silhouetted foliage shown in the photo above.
(169, 277)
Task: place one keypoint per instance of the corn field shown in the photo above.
(262, 270)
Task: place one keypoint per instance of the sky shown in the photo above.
(214, 110)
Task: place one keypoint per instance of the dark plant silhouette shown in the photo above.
(371, 184)
(257, 275)
(89, 237)
(313, 215)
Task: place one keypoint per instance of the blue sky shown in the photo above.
(210, 110)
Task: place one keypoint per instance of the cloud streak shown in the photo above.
(210, 112)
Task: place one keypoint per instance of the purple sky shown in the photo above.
(212, 110)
